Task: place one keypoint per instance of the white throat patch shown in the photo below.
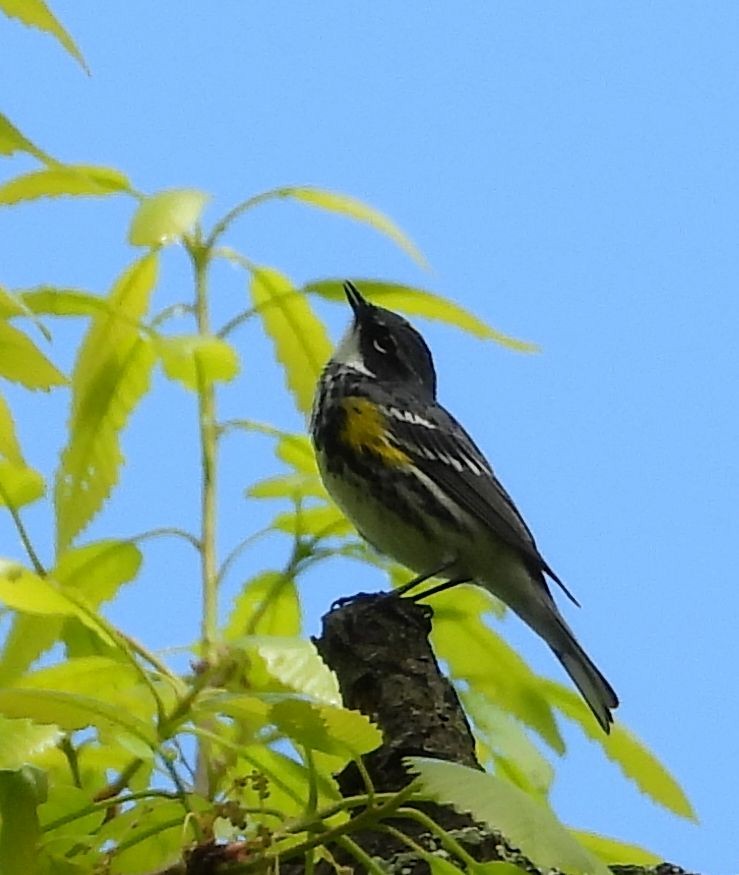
(348, 353)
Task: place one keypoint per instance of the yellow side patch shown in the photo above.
(365, 431)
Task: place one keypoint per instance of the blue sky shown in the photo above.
(571, 172)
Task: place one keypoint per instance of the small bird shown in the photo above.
(419, 490)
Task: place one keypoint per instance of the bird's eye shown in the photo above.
(382, 341)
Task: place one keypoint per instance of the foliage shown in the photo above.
(124, 775)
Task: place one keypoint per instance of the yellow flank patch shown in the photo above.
(364, 431)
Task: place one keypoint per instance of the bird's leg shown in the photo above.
(422, 578)
(448, 584)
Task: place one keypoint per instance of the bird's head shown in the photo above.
(384, 346)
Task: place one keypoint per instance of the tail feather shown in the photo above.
(595, 689)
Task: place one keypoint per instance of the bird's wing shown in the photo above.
(442, 449)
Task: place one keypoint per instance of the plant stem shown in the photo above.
(208, 443)
(32, 555)
(200, 256)
(447, 842)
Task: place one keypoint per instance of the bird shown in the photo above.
(419, 490)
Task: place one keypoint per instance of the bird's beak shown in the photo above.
(358, 304)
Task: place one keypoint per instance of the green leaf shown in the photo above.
(326, 521)
(326, 728)
(299, 337)
(12, 140)
(98, 569)
(9, 446)
(94, 572)
(295, 663)
(65, 799)
(111, 375)
(53, 301)
(71, 711)
(352, 208)
(35, 13)
(12, 304)
(296, 451)
(296, 487)
(66, 179)
(195, 360)
(21, 740)
(513, 753)
(267, 605)
(528, 824)
(147, 837)
(21, 791)
(82, 675)
(614, 852)
(22, 362)
(19, 484)
(166, 217)
(439, 866)
(481, 658)
(25, 591)
(419, 302)
(634, 759)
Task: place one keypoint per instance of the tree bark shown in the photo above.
(379, 648)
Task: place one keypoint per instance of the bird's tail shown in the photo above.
(595, 689)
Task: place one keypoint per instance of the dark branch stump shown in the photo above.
(379, 649)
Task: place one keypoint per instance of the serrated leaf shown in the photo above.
(22, 362)
(352, 208)
(326, 728)
(25, 591)
(71, 711)
(65, 179)
(94, 572)
(299, 338)
(527, 823)
(318, 522)
(21, 740)
(614, 852)
(166, 217)
(21, 791)
(35, 13)
(634, 759)
(481, 658)
(12, 140)
(419, 302)
(111, 375)
(194, 359)
(267, 605)
(295, 663)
